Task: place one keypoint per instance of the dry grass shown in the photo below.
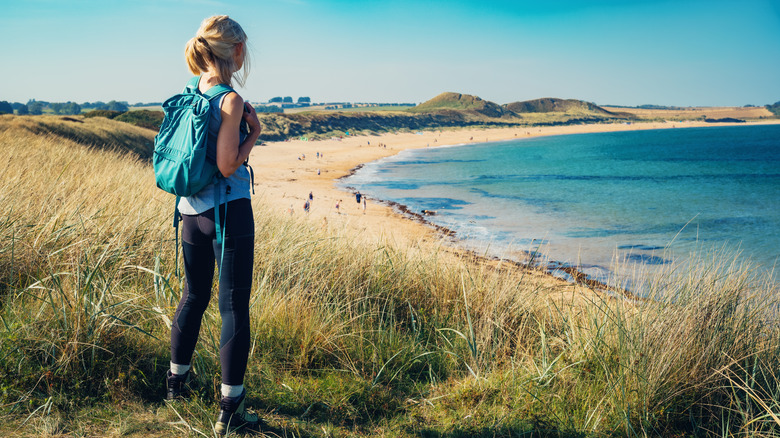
(349, 339)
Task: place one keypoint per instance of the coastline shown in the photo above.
(287, 172)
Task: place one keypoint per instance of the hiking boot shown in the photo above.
(234, 415)
(177, 386)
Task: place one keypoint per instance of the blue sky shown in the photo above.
(627, 52)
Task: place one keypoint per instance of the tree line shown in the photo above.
(289, 99)
(37, 107)
(774, 108)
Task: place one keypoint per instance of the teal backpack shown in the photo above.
(181, 166)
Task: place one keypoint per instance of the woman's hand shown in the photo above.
(231, 151)
(250, 115)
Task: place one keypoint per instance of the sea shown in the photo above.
(597, 201)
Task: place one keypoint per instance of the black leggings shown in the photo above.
(200, 248)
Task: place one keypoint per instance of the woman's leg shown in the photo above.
(199, 274)
(235, 285)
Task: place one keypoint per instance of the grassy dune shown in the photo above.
(697, 113)
(347, 339)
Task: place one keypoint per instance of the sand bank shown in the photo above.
(287, 172)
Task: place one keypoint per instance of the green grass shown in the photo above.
(147, 108)
(143, 118)
(349, 339)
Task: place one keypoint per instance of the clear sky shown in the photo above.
(626, 52)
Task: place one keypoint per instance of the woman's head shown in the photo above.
(219, 46)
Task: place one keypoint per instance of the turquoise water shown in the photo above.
(646, 197)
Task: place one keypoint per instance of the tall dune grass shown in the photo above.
(347, 338)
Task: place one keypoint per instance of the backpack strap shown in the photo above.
(211, 93)
(251, 175)
(192, 85)
(216, 91)
(217, 223)
(220, 229)
(176, 219)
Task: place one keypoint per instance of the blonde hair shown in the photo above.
(214, 46)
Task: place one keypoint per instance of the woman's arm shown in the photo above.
(231, 154)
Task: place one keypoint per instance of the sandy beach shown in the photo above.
(287, 172)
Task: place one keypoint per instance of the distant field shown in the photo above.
(347, 110)
(690, 113)
(375, 108)
(150, 108)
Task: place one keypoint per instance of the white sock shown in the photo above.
(179, 369)
(232, 390)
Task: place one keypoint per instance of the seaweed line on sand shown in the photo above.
(575, 275)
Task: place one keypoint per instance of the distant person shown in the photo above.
(364, 205)
(306, 206)
(338, 204)
(217, 53)
(311, 196)
(357, 197)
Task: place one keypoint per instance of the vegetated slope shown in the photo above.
(551, 104)
(774, 108)
(460, 102)
(694, 113)
(443, 111)
(97, 132)
(324, 124)
(150, 119)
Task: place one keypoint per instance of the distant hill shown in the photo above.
(472, 105)
(553, 105)
(460, 102)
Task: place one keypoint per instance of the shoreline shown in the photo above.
(287, 172)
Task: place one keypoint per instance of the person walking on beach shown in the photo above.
(217, 53)
(364, 204)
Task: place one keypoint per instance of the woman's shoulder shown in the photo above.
(233, 103)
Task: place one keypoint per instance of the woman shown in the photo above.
(217, 53)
